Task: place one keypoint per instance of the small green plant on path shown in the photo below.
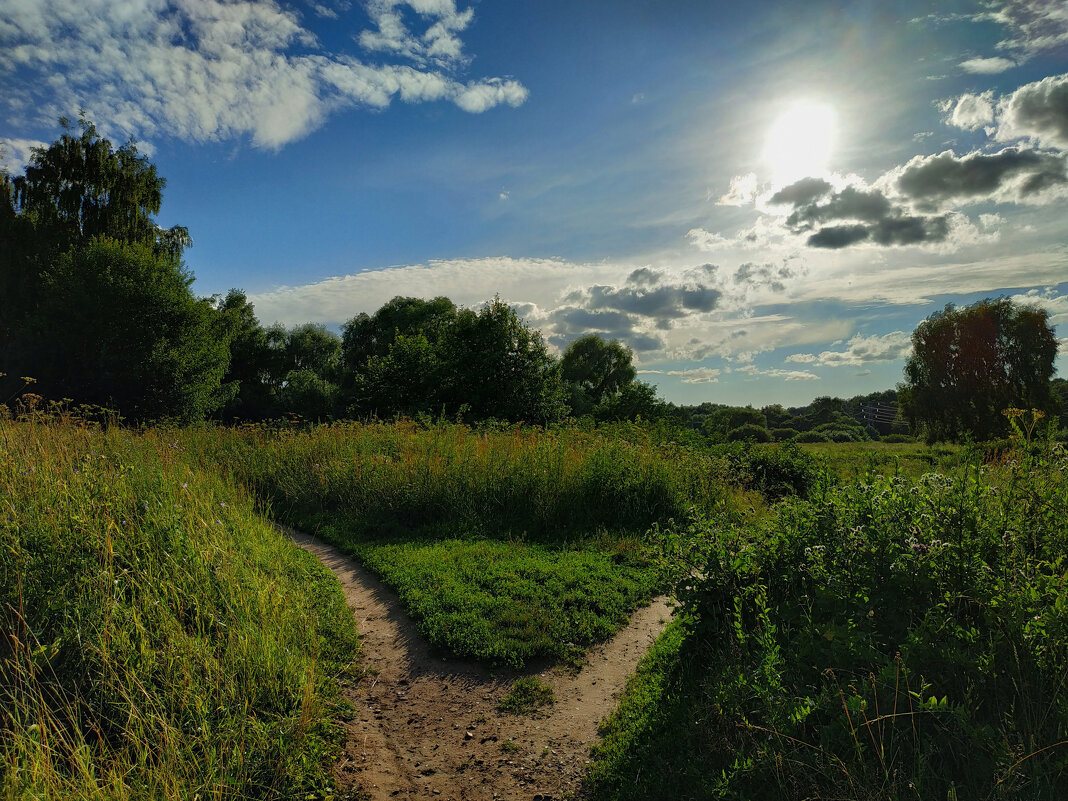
(528, 695)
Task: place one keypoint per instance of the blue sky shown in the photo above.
(761, 199)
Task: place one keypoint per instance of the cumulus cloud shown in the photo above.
(644, 276)
(969, 111)
(1055, 305)
(838, 219)
(1013, 175)
(217, 69)
(772, 276)
(742, 192)
(1037, 111)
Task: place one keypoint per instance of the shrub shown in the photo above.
(750, 432)
(812, 436)
(898, 438)
(784, 434)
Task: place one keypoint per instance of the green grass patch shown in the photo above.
(160, 639)
(528, 695)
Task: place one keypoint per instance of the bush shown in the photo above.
(898, 438)
(893, 640)
(750, 432)
(784, 434)
(812, 436)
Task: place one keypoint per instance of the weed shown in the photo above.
(527, 695)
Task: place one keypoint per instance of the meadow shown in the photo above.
(860, 621)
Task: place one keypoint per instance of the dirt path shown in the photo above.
(428, 728)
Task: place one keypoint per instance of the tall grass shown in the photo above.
(158, 638)
(520, 481)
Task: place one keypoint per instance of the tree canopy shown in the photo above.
(969, 364)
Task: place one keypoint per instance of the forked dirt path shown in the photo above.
(428, 728)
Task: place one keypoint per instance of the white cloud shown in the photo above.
(1055, 305)
(775, 372)
(743, 191)
(970, 112)
(801, 358)
(987, 66)
(697, 375)
(1037, 111)
(862, 350)
(213, 70)
(15, 153)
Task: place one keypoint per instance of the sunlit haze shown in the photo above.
(800, 142)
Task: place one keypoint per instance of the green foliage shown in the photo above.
(784, 434)
(158, 638)
(970, 364)
(117, 326)
(528, 695)
(812, 436)
(750, 432)
(478, 365)
(886, 639)
(595, 370)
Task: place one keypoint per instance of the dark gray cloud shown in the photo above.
(644, 276)
(571, 322)
(838, 236)
(1012, 174)
(851, 216)
(803, 192)
(849, 204)
(661, 302)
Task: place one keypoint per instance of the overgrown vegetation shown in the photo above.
(890, 638)
(160, 639)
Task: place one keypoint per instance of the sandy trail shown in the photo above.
(428, 728)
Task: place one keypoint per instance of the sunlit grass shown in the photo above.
(160, 638)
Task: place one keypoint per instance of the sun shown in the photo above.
(800, 142)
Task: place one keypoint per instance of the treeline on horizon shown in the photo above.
(96, 307)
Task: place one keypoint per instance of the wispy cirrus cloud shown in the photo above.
(208, 70)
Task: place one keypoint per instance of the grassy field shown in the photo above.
(160, 639)
(506, 545)
(890, 638)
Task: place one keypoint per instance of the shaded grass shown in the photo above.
(160, 638)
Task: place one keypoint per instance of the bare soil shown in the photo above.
(428, 727)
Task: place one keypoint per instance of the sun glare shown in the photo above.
(800, 142)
